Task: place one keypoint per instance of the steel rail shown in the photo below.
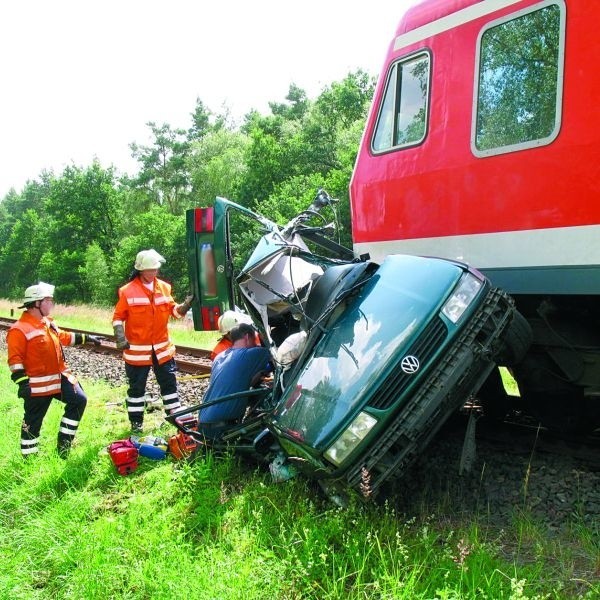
(200, 366)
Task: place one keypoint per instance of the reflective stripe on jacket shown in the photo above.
(35, 346)
(145, 315)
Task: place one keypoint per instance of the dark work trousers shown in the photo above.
(36, 408)
(136, 394)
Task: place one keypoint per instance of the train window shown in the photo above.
(402, 117)
(517, 100)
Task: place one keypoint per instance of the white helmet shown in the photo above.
(36, 292)
(148, 259)
(230, 318)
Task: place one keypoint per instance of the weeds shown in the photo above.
(216, 528)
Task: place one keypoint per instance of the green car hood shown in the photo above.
(362, 345)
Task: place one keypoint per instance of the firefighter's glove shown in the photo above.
(94, 339)
(122, 343)
(24, 390)
(86, 338)
(185, 305)
(22, 380)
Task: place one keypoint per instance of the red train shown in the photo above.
(482, 145)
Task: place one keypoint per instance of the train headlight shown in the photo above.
(349, 440)
(467, 290)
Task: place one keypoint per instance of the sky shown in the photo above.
(81, 78)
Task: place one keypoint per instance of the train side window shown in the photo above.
(518, 79)
(402, 119)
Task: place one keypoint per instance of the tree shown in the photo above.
(62, 269)
(200, 122)
(163, 175)
(205, 122)
(346, 101)
(95, 275)
(335, 111)
(304, 138)
(217, 166)
(82, 206)
(295, 108)
(85, 207)
(315, 147)
(273, 154)
(21, 255)
(14, 204)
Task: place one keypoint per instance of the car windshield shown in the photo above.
(357, 351)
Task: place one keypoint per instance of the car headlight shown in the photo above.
(348, 441)
(467, 290)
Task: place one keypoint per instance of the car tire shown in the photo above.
(515, 342)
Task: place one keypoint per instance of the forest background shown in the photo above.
(81, 229)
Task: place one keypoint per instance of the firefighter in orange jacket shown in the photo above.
(37, 363)
(140, 323)
(227, 321)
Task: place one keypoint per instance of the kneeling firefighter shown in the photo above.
(37, 364)
(140, 322)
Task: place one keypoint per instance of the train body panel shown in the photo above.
(530, 205)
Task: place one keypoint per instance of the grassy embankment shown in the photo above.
(219, 529)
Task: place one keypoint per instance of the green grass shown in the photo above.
(220, 529)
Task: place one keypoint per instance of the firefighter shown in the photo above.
(227, 321)
(140, 323)
(37, 364)
(236, 369)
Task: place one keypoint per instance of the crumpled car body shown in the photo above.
(370, 359)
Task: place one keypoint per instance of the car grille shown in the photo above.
(463, 368)
(423, 348)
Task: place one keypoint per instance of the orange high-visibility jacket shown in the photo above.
(35, 346)
(145, 315)
(225, 343)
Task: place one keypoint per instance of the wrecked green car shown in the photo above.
(370, 359)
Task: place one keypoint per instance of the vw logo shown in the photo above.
(410, 364)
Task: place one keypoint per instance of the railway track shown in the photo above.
(193, 361)
(521, 435)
